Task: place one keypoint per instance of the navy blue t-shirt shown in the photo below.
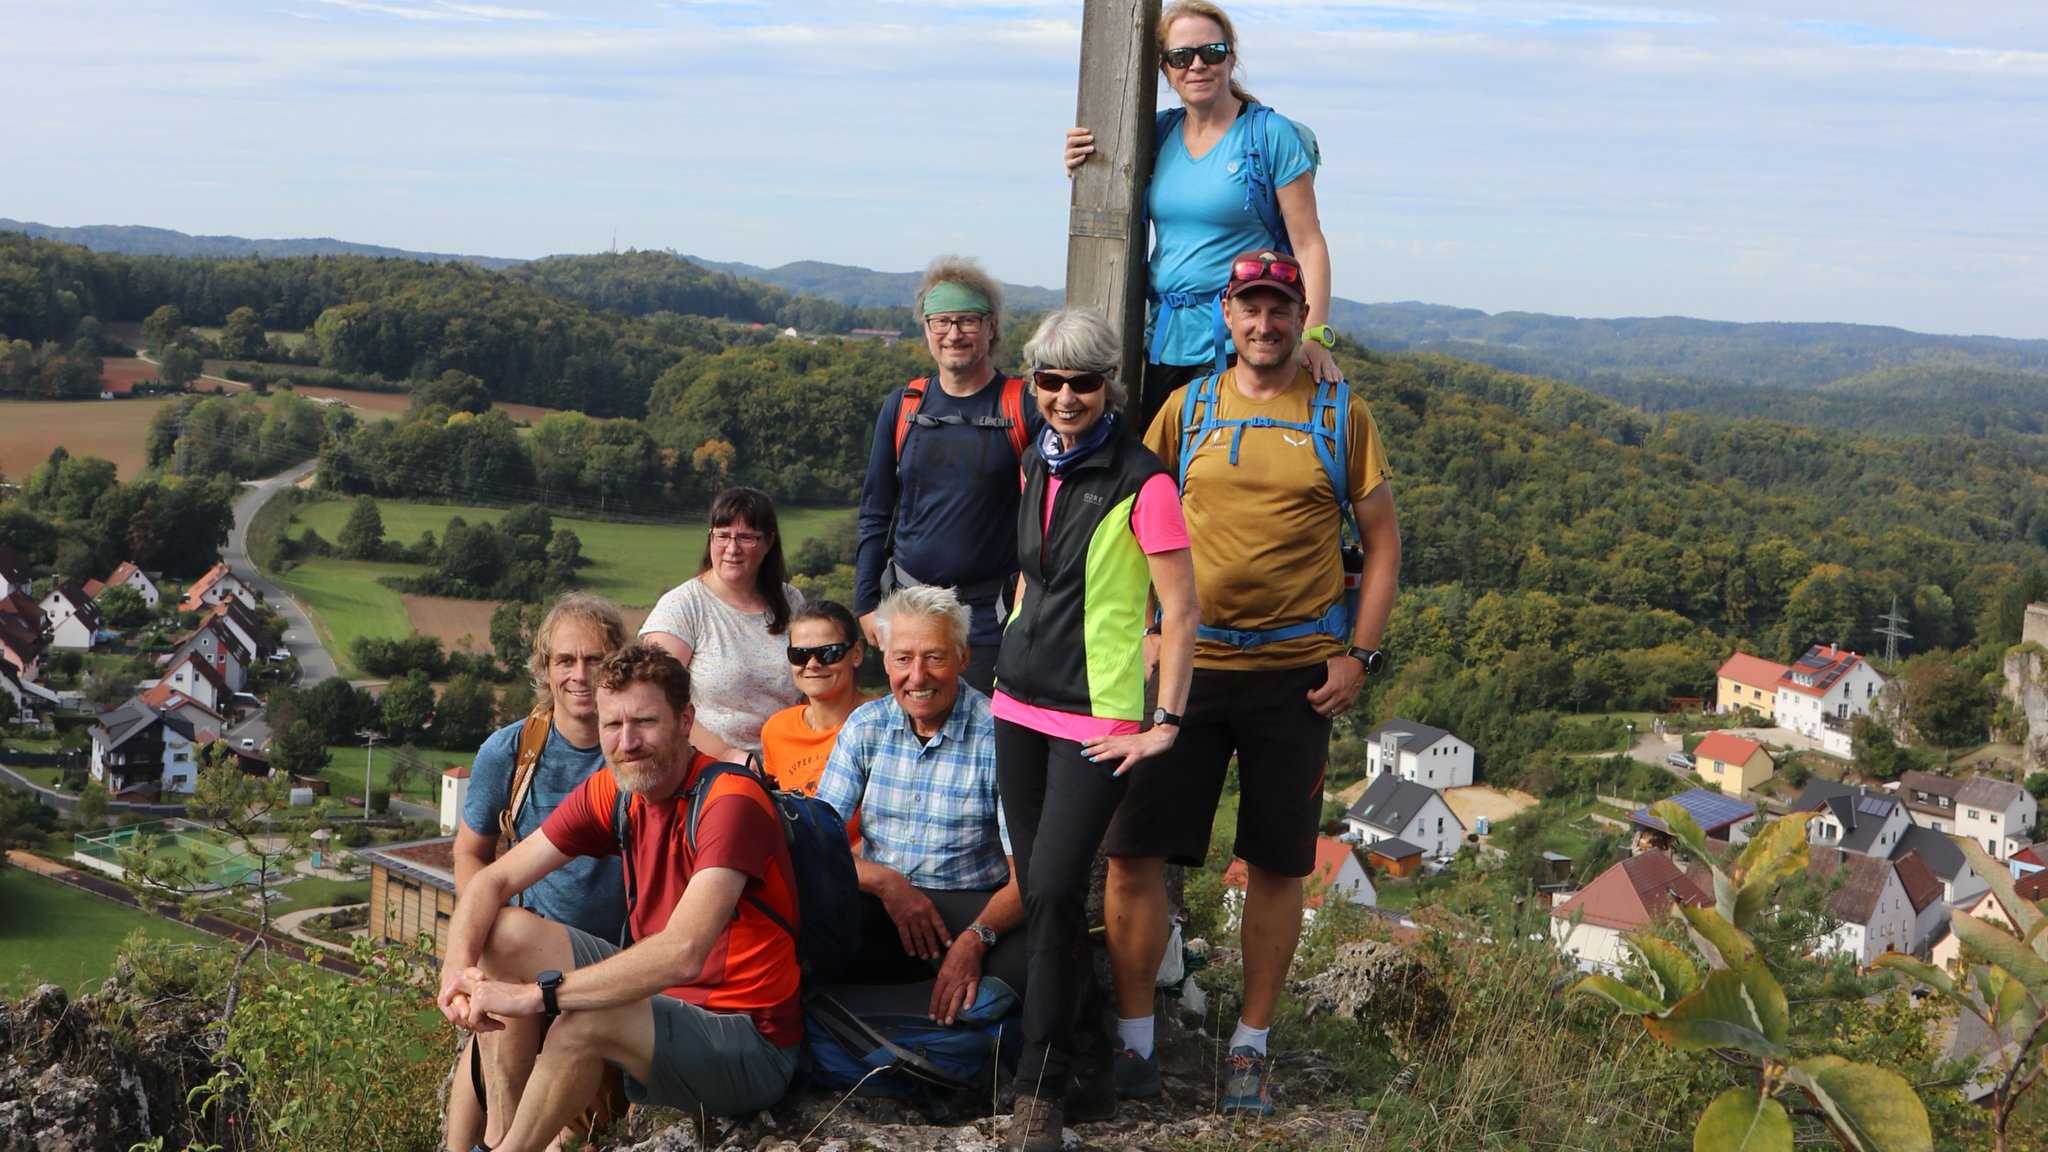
(954, 499)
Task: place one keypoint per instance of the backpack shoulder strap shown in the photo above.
(622, 834)
(912, 399)
(533, 738)
(1013, 410)
(1260, 195)
(1198, 393)
(1330, 419)
(700, 791)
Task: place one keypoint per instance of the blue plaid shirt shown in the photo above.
(927, 810)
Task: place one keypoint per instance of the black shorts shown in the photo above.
(1282, 747)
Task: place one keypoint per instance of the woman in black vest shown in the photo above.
(1100, 536)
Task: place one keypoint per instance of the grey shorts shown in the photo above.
(716, 1061)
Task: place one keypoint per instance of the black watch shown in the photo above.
(1160, 716)
(1373, 659)
(550, 981)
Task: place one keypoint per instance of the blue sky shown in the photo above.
(1877, 161)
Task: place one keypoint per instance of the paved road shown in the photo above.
(315, 664)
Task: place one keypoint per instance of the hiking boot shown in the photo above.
(1137, 1077)
(1245, 1089)
(1092, 1095)
(1035, 1125)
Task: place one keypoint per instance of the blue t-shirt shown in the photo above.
(588, 892)
(1201, 218)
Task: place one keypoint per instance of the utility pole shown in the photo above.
(370, 737)
(1105, 225)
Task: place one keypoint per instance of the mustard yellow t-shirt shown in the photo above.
(1264, 531)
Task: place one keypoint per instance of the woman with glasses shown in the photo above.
(727, 625)
(1102, 537)
(825, 652)
(1204, 208)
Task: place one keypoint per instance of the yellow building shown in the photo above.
(1749, 682)
(1731, 763)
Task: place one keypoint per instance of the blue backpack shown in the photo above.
(1327, 426)
(827, 887)
(1261, 198)
(877, 1040)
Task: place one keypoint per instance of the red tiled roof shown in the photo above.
(94, 587)
(1746, 669)
(2033, 854)
(195, 596)
(1633, 893)
(1726, 748)
(1921, 886)
(1330, 856)
(1824, 664)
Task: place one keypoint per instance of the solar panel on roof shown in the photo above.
(1874, 806)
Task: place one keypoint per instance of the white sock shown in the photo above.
(1249, 1037)
(1136, 1035)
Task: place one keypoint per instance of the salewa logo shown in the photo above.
(1293, 441)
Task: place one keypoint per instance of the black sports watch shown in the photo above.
(550, 982)
(1373, 659)
(1162, 716)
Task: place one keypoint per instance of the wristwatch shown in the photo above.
(550, 981)
(1160, 716)
(987, 934)
(1372, 658)
(1322, 334)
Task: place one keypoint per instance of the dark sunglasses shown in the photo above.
(1178, 58)
(1285, 271)
(1082, 383)
(826, 654)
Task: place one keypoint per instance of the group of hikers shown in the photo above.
(1083, 620)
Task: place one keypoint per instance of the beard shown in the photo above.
(639, 776)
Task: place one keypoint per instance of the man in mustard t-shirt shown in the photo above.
(1278, 659)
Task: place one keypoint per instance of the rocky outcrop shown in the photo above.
(1382, 987)
(2026, 686)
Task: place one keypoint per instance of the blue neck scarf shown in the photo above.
(1063, 462)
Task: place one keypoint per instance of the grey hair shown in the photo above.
(1079, 339)
(926, 601)
(964, 270)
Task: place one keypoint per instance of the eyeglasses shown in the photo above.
(725, 536)
(1082, 383)
(1285, 271)
(1211, 54)
(968, 324)
(826, 654)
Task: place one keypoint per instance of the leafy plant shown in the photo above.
(1736, 1009)
(2006, 988)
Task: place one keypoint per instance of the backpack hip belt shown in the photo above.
(1335, 622)
(894, 577)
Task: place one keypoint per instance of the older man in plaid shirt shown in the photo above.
(938, 890)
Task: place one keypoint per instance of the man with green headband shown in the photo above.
(939, 505)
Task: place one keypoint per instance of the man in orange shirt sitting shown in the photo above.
(701, 1011)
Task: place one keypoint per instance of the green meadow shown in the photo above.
(82, 954)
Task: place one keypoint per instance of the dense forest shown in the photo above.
(1561, 550)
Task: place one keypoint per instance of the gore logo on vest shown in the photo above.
(1091, 498)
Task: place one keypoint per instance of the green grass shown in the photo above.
(47, 777)
(320, 892)
(344, 774)
(631, 563)
(65, 936)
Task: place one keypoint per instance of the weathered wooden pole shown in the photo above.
(1105, 230)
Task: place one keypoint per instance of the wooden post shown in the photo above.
(1105, 234)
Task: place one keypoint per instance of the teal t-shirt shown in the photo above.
(588, 892)
(1201, 218)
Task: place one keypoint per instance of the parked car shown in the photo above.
(1680, 761)
(248, 744)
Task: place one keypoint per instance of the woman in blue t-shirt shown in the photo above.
(1200, 212)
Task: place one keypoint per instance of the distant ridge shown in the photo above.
(139, 240)
(865, 287)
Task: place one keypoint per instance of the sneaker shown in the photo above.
(1092, 1095)
(1036, 1125)
(1245, 1088)
(1137, 1077)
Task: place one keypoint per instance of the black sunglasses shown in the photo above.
(1082, 383)
(1178, 58)
(826, 654)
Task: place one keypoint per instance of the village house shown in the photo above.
(246, 626)
(1996, 814)
(1854, 819)
(1732, 763)
(1882, 905)
(1394, 809)
(1337, 871)
(1959, 882)
(218, 584)
(454, 794)
(217, 645)
(1593, 925)
(1418, 754)
(74, 618)
(1823, 692)
(32, 701)
(1724, 820)
(1395, 857)
(207, 723)
(22, 639)
(1749, 683)
(14, 575)
(136, 746)
(412, 891)
(1988, 906)
(131, 576)
(192, 675)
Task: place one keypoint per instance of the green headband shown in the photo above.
(953, 296)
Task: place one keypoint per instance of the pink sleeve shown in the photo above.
(1156, 518)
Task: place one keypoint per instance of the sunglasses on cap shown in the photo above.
(1082, 383)
(1178, 58)
(1285, 271)
(826, 654)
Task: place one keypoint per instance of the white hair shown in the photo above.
(929, 602)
